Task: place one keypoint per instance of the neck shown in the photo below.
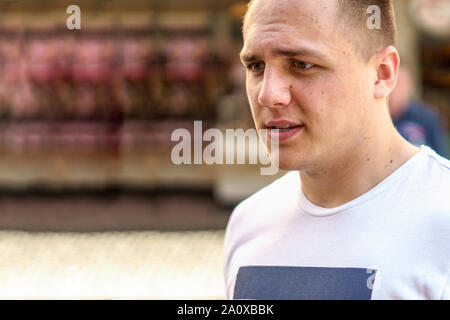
(359, 169)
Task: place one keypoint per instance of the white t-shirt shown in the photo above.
(393, 242)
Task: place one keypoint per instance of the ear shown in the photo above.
(387, 64)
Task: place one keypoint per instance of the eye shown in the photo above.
(256, 67)
(302, 66)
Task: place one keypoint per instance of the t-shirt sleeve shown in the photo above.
(446, 293)
(228, 248)
(226, 257)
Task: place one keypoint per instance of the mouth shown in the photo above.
(282, 130)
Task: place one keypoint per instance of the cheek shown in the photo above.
(350, 105)
(331, 107)
(317, 99)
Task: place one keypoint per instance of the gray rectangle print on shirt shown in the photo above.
(303, 283)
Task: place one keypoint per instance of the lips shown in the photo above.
(282, 130)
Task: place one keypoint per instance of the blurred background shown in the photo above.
(91, 205)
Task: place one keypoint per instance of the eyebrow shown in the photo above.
(247, 57)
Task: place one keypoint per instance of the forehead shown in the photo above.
(293, 11)
(285, 23)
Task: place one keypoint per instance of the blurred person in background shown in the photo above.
(415, 121)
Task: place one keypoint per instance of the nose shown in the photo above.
(275, 90)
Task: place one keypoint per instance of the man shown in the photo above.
(416, 122)
(363, 214)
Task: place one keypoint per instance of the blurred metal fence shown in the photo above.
(111, 265)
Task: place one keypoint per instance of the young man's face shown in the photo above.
(303, 72)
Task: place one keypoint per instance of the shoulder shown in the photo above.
(431, 190)
(432, 179)
(437, 168)
(261, 210)
(281, 193)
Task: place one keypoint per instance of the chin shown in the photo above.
(292, 156)
(289, 167)
(290, 162)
